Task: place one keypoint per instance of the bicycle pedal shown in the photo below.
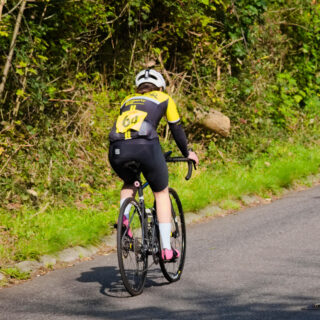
(170, 261)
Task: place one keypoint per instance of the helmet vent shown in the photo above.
(151, 76)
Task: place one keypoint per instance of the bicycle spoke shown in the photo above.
(131, 254)
(172, 270)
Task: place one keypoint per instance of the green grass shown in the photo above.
(36, 234)
(230, 205)
(15, 273)
(269, 174)
(33, 233)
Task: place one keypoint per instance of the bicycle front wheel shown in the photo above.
(132, 256)
(173, 270)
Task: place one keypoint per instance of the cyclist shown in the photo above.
(134, 138)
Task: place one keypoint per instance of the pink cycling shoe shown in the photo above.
(125, 222)
(170, 255)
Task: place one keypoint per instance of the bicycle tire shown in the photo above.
(172, 271)
(132, 258)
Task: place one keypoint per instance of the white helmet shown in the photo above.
(151, 76)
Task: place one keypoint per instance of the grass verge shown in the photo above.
(278, 168)
(28, 234)
(15, 273)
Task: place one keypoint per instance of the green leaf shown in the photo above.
(4, 34)
(20, 93)
(22, 64)
(157, 50)
(43, 58)
(20, 72)
(297, 98)
(31, 70)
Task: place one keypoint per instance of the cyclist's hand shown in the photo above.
(192, 155)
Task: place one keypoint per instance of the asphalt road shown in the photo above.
(261, 263)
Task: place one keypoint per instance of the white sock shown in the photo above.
(165, 233)
(128, 208)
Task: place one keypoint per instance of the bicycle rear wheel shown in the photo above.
(132, 256)
(173, 270)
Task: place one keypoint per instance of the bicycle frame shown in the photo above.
(151, 233)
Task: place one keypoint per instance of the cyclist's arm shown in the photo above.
(182, 142)
(176, 128)
(178, 132)
(179, 137)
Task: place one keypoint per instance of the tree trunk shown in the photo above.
(2, 3)
(12, 45)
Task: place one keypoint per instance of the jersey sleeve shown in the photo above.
(172, 112)
(179, 137)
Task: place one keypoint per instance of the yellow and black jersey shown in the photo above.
(137, 109)
(155, 103)
(140, 115)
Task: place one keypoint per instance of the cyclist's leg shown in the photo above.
(164, 217)
(172, 271)
(127, 191)
(163, 205)
(120, 153)
(155, 170)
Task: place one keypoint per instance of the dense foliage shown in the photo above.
(72, 61)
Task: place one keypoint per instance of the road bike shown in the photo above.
(141, 237)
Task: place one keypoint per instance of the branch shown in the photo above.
(67, 100)
(120, 15)
(14, 8)
(283, 10)
(15, 152)
(63, 100)
(293, 24)
(12, 46)
(242, 32)
(165, 73)
(132, 53)
(231, 43)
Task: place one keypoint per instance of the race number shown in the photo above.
(131, 119)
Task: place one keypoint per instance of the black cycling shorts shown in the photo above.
(148, 153)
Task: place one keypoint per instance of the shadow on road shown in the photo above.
(111, 284)
(199, 305)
